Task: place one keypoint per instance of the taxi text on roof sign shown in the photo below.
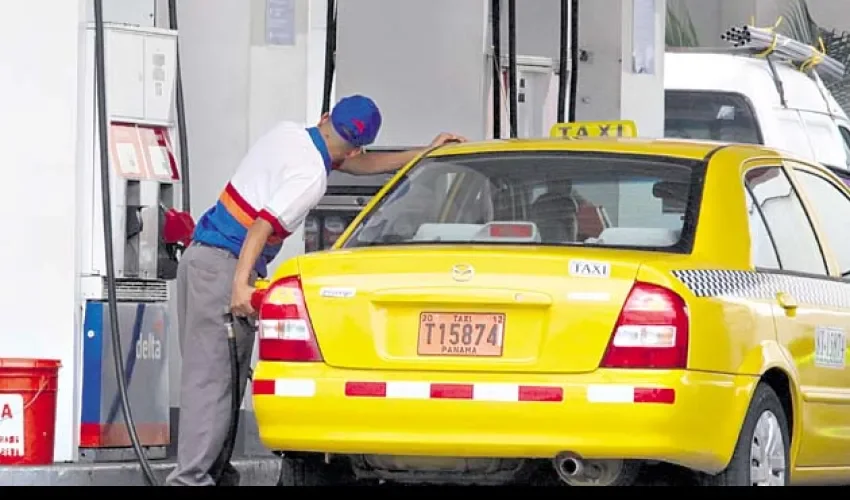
(620, 128)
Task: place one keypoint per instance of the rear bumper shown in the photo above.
(689, 418)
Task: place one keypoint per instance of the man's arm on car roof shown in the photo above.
(381, 163)
(378, 163)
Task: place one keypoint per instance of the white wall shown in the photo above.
(423, 62)
(236, 87)
(39, 82)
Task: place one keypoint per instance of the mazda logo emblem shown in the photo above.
(462, 272)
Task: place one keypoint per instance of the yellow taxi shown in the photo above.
(579, 306)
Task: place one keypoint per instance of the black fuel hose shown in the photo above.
(106, 199)
(512, 76)
(496, 29)
(575, 54)
(330, 55)
(563, 56)
(179, 103)
(218, 468)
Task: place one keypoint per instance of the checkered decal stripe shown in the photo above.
(764, 286)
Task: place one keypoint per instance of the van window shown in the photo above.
(787, 221)
(710, 115)
(832, 208)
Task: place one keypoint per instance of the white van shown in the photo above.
(734, 97)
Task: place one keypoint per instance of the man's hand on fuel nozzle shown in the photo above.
(445, 138)
(240, 301)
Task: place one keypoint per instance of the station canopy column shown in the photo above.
(621, 63)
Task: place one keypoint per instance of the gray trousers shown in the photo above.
(204, 284)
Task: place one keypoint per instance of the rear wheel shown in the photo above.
(762, 454)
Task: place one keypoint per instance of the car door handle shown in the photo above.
(787, 302)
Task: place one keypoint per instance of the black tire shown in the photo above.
(737, 473)
(312, 472)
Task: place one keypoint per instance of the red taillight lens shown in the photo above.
(651, 332)
(286, 333)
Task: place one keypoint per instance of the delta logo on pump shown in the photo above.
(149, 344)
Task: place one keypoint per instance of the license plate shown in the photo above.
(461, 334)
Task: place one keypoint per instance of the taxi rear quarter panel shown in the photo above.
(732, 326)
(730, 332)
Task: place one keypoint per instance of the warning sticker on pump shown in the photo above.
(11, 426)
(618, 128)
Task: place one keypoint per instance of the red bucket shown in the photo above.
(28, 410)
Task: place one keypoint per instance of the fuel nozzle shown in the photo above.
(228, 323)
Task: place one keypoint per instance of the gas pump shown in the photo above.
(536, 97)
(145, 190)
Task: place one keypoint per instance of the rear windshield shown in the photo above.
(709, 115)
(539, 198)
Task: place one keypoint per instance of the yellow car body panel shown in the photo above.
(685, 433)
(360, 339)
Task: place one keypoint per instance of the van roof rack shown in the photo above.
(766, 42)
(802, 56)
(752, 41)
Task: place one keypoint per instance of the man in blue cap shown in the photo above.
(283, 177)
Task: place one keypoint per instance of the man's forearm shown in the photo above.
(255, 240)
(379, 163)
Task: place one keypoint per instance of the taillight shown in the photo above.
(651, 332)
(286, 333)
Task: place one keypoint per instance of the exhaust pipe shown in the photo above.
(568, 465)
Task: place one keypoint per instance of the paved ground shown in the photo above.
(254, 471)
(260, 471)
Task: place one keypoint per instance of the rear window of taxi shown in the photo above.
(540, 198)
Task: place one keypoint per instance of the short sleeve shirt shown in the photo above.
(283, 176)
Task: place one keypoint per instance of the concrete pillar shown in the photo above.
(424, 63)
(610, 86)
(41, 52)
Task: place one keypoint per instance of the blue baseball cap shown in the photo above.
(356, 119)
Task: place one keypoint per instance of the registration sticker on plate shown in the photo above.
(461, 334)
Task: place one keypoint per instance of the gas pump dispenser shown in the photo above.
(145, 189)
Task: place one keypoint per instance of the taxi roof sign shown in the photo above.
(615, 128)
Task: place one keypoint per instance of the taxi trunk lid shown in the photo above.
(472, 308)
